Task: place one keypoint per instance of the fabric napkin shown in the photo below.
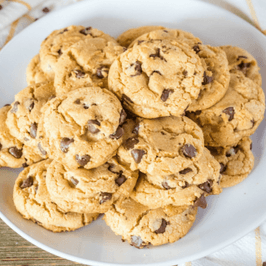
(15, 15)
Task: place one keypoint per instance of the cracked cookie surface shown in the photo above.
(23, 118)
(12, 152)
(85, 63)
(236, 162)
(89, 191)
(59, 40)
(241, 60)
(201, 178)
(33, 201)
(161, 146)
(141, 226)
(82, 128)
(156, 78)
(237, 115)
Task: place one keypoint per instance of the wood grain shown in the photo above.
(16, 251)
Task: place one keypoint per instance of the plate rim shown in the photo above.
(193, 257)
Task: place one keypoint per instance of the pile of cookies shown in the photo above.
(142, 129)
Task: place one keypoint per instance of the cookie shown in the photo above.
(34, 72)
(24, 115)
(236, 162)
(216, 77)
(241, 60)
(12, 152)
(59, 40)
(127, 37)
(216, 72)
(82, 128)
(237, 115)
(33, 202)
(156, 78)
(85, 63)
(141, 226)
(161, 146)
(89, 191)
(189, 186)
(162, 34)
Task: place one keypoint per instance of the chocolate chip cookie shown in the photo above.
(24, 115)
(236, 162)
(33, 201)
(89, 191)
(12, 152)
(85, 63)
(161, 146)
(82, 128)
(156, 78)
(127, 37)
(34, 73)
(59, 40)
(237, 115)
(189, 186)
(241, 60)
(141, 226)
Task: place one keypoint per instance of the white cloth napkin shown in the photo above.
(15, 15)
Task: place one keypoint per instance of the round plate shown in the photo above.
(228, 217)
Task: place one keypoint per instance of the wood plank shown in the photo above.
(16, 251)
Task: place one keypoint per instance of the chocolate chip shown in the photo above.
(79, 74)
(27, 182)
(241, 56)
(74, 181)
(136, 129)
(82, 160)
(161, 230)
(189, 151)
(33, 130)
(185, 73)
(24, 165)
(46, 10)
(185, 185)
(137, 242)
(85, 106)
(126, 99)
(118, 134)
(138, 69)
(120, 180)
(264, 263)
(243, 67)
(185, 171)
(105, 196)
(85, 31)
(7, 104)
(63, 31)
(201, 202)
(250, 146)
(31, 106)
(91, 128)
(102, 72)
(15, 152)
(123, 117)
(111, 169)
(206, 79)
(1, 7)
(43, 152)
(213, 150)
(137, 155)
(223, 168)
(65, 143)
(77, 101)
(230, 112)
(1, 146)
(165, 185)
(140, 41)
(206, 186)
(196, 48)
(158, 54)
(130, 143)
(59, 52)
(165, 94)
(156, 71)
(15, 107)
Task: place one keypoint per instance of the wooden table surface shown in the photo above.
(16, 251)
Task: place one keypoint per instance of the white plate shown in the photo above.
(228, 217)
